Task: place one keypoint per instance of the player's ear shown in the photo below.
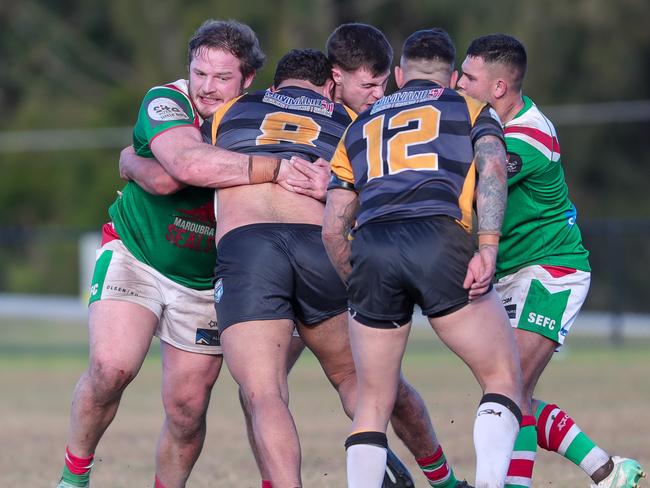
(328, 89)
(337, 75)
(500, 87)
(399, 77)
(248, 80)
(454, 79)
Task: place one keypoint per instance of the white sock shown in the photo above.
(495, 431)
(366, 466)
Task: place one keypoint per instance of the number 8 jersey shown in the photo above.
(290, 121)
(411, 154)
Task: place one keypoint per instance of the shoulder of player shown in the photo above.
(175, 89)
(173, 95)
(533, 128)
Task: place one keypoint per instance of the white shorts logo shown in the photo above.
(165, 109)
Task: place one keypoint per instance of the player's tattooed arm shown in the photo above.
(492, 188)
(491, 194)
(340, 213)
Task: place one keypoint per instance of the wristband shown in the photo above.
(262, 169)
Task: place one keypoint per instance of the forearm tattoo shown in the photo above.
(492, 188)
(337, 242)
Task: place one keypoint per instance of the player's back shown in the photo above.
(291, 121)
(412, 153)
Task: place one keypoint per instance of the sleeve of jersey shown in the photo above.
(524, 161)
(164, 108)
(342, 175)
(487, 123)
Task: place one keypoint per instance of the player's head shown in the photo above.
(361, 58)
(223, 56)
(427, 54)
(307, 65)
(495, 66)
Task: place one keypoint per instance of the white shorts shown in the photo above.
(543, 301)
(186, 317)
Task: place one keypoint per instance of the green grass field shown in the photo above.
(605, 389)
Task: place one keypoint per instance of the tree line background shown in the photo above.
(73, 64)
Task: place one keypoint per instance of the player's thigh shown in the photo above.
(535, 352)
(378, 356)
(295, 350)
(329, 342)
(479, 333)
(188, 378)
(119, 334)
(256, 354)
(125, 306)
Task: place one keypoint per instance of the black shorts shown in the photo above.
(276, 271)
(398, 264)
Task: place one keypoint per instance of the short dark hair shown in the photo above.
(501, 48)
(430, 44)
(231, 36)
(353, 46)
(303, 64)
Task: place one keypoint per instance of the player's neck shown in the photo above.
(299, 83)
(509, 107)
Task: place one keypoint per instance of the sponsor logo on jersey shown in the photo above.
(571, 216)
(513, 164)
(401, 99)
(194, 232)
(207, 337)
(218, 290)
(165, 109)
(212, 324)
(305, 104)
(204, 213)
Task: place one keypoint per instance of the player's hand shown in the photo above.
(480, 271)
(292, 177)
(314, 177)
(125, 158)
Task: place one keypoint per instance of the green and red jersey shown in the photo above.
(173, 234)
(540, 221)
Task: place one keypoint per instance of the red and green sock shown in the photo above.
(76, 470)
(557, 432)
(520, 471)
(437, 470)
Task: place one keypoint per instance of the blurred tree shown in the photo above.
(85, 64)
